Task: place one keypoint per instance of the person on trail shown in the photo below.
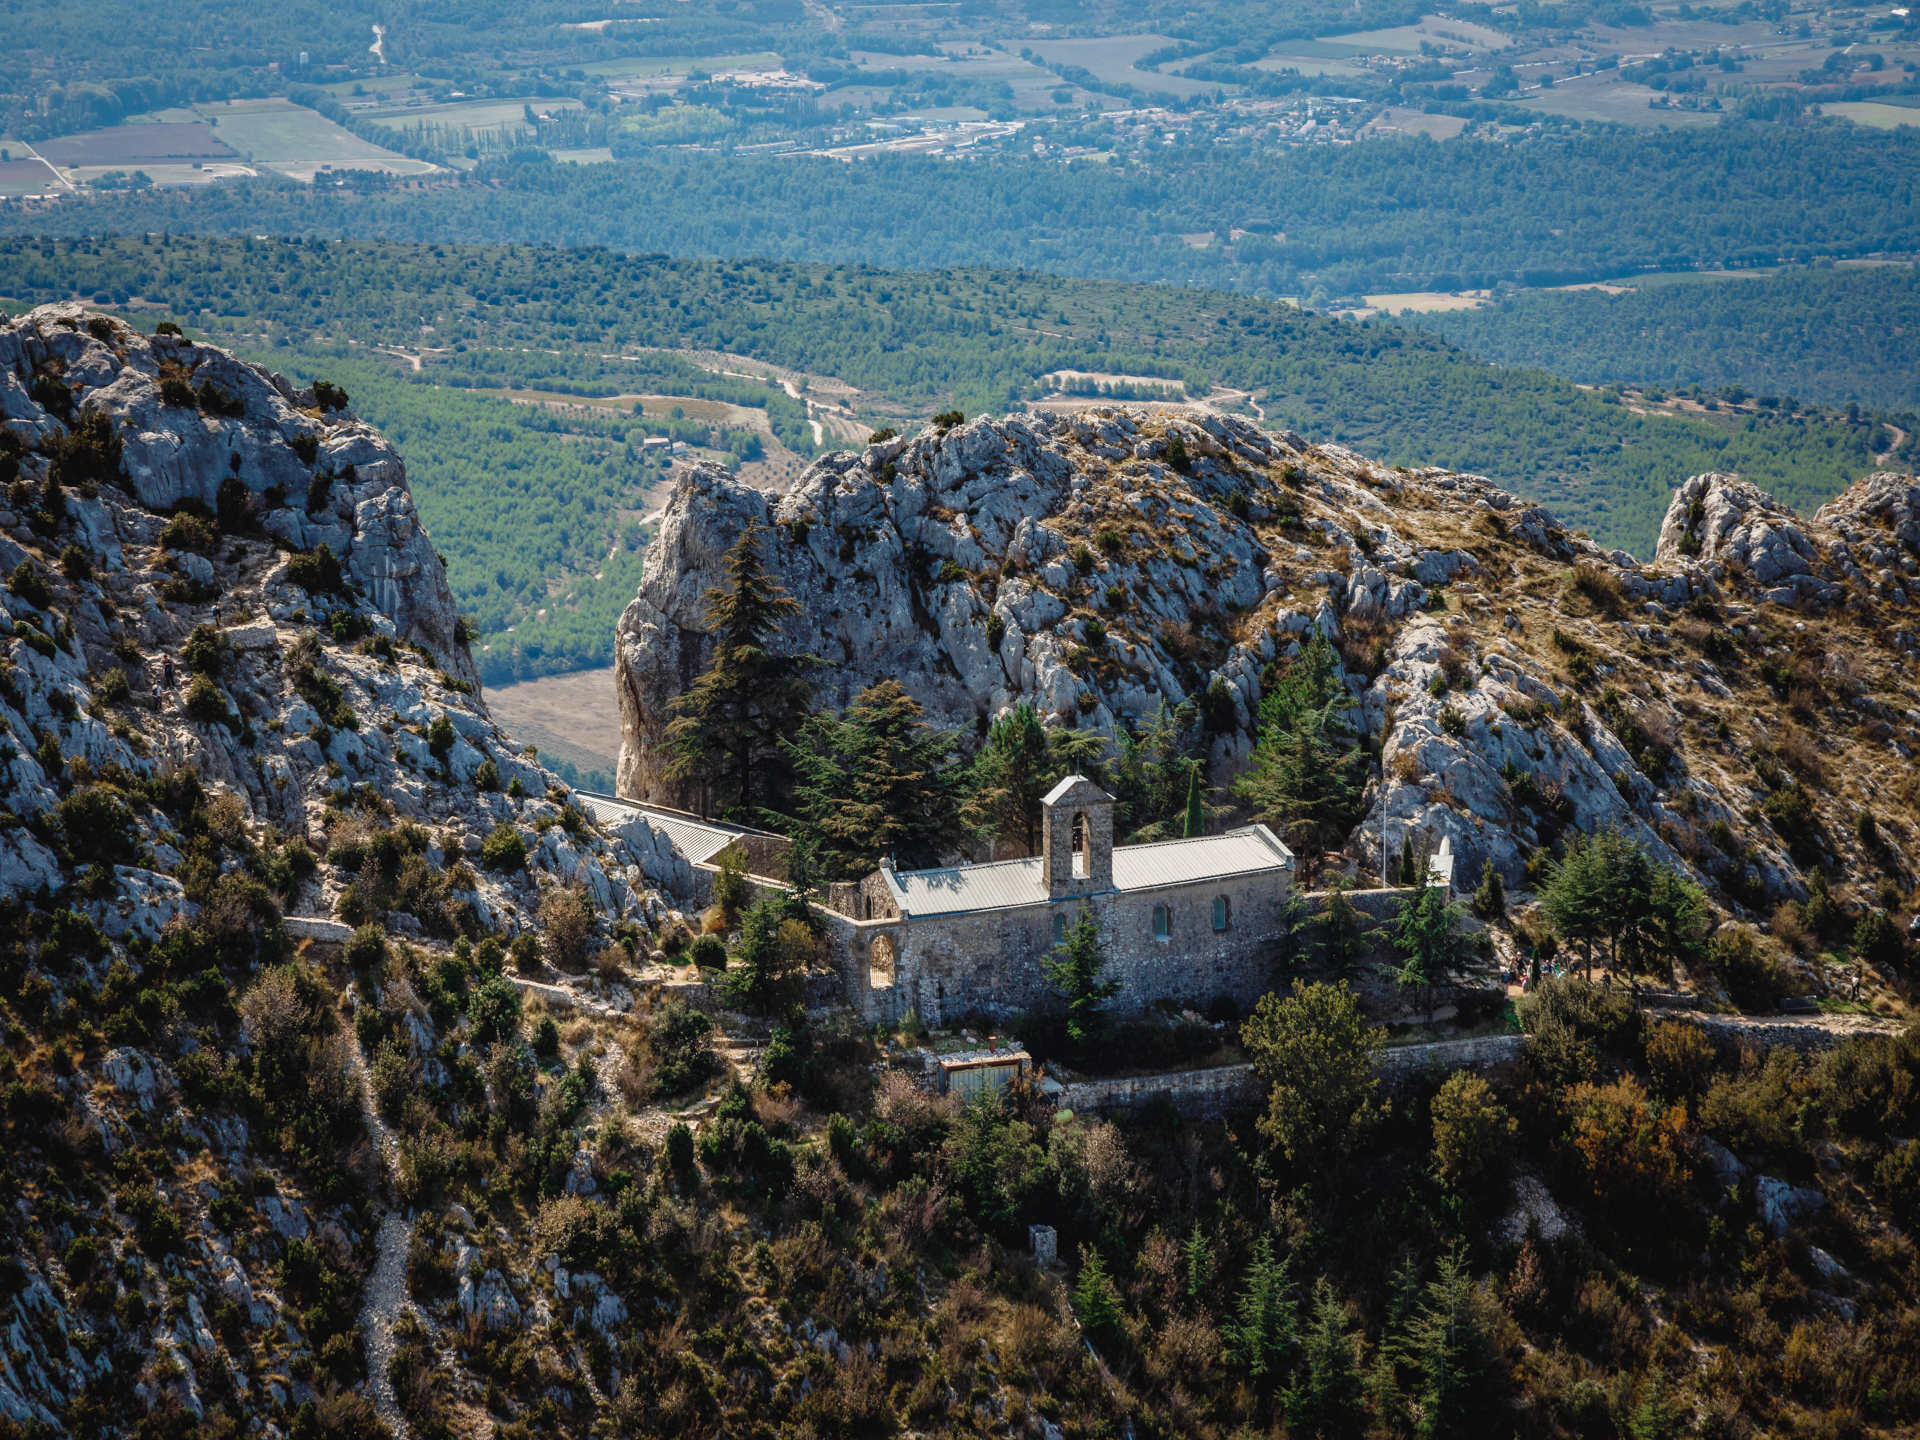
(166, 670)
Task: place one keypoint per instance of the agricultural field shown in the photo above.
(479, 116)
(573, 717)
(1111, 59)
(1873, 114)
(1400, 120)
(137, 144)
(299, 143)
(1609, 100)
(21, 175)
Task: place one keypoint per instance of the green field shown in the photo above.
(1111, 58)
(299, 142)
(1873, 114)
(479, 116)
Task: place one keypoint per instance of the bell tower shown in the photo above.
(1076, 844)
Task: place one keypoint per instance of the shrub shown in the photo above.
(188, 531)
(1569, 1023)
(367, 947)
(567, 920)
(947, 419)
(329, 396)
(493, 1010)
(205, 651)
(233, 506)
(681, 1045)
(1680, 1059)
(1876, 939)
(176, 391)
(205, 703)
(709, 953)
(30, 585)
(546, 1038)
(216, 401)
(1177, 456)
(307, 446)
(113, 687)
(440, 736)
(504, 848)
(167, 327)
(319, 491)
(1748, 968)
(317, 572)
(1472, 1133)
(487, 776)
(680, 1148)
(996, 629)
(524, 954)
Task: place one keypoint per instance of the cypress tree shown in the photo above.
(1196, 823)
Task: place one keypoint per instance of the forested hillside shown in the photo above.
(1834, 336)
(917, 343)
(1387, 215)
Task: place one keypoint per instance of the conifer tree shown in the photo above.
(1096, 1300)
(1324, 1401)
(727, 727)
(1074, 970)
(1196, 821)
(1019, 761)
(1261, 1335)
(876, 781)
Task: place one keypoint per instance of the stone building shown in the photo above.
(1185, 922)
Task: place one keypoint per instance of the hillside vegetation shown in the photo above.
(1385, 215)
(914, 344)
(1834, 337)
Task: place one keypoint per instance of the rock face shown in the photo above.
(1514, 679)
(217, 750)
(190, 418)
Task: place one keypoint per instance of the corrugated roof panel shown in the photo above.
(1180, 862)
(959, 888)
(1006, 884)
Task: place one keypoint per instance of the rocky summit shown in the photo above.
(1736, 704)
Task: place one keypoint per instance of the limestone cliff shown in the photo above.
(1736, 704)
(218, 741)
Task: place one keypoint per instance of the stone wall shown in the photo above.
(1192, 1092)
(989, 963)
(1398, 1063)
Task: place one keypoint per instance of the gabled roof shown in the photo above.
(1014, 884)
(1068, 785)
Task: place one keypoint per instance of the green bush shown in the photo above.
(504, 848)
(205, 703)
(366, 948)
(680, 1148)
(188, 531)
(709, 953)
(546, 1038)
(317, 572)
(30, 585)
(680, 1042)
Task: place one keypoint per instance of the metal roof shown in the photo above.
(698, 840)
(1011, 884)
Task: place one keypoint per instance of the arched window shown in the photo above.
(882, 959)
(1060, 927)
(1082, 847)
(1222, 912)
(1162, 923)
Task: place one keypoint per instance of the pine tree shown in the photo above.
(1096, 1300)
(1303, 780)
(1448, 1347)
(727, 726)
(1074, 970)
(1197, 1252)
(1324, 1402)
(1262, 1333)
(1196, 822)
(876, 781)
(1019, 761)
(1423, 934)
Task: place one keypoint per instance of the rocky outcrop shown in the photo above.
(191, 419)
(220, 754)
(1515, 680)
